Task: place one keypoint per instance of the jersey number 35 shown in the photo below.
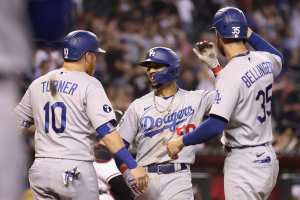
(266, 100)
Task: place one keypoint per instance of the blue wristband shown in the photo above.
(118, 161)
(124, 155)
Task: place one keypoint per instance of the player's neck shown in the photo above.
(233, 49)
(70, 66)
(167, 90)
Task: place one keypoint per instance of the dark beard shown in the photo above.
(221, 49)
(155, 85)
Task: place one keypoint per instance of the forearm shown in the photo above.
(29, 132)
(258, 43)
(113, 142)
(207, 130)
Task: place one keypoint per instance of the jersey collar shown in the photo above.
(241, 54)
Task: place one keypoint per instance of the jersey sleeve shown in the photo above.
(208, 100)
(98, 107)
(24, 110)
(276, 63)
(128, 126)
(225, 98)
(107, 170)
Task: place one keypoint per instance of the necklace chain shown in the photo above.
(167, 109)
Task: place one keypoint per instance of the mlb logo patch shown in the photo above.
(107, 108)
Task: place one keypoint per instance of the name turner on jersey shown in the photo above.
(61, 86)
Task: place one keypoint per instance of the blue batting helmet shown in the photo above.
(230, 23)
(79, 42)
(163, 56)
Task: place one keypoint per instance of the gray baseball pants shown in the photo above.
(46, 180)
(173, 186)
(250, 173)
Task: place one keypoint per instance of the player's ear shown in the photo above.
(87, 58)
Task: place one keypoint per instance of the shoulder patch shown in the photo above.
(107, 108)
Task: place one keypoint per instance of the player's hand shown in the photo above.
(140, 177)
(206, 52)
(131, 183)
(249, 32)
(174, 146)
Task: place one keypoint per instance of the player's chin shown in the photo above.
(154, 84)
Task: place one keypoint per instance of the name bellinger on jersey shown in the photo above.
(256, 72)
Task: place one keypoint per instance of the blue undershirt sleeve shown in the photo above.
(258, 43)
(207, 130)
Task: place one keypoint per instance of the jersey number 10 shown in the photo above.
(53, 107)
(266, 98)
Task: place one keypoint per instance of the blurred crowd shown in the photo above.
(128, 28)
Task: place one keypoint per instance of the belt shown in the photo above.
(166, 168)
(228, 148)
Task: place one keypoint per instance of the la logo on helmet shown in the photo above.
(151, 53)
(236, 31)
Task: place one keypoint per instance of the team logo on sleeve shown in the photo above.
(107, 108)
(217, 97)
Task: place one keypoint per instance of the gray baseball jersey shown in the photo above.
(151, 130)
(244, 91)
(66, 122)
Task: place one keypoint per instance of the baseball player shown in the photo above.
(70, 111)
(165, 113)
(242, 109)
(112, 185)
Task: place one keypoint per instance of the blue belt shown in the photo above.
(166, 168)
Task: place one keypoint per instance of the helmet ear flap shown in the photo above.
(167, 75)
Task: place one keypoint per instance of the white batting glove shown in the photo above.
(206, 52)
(132, 183)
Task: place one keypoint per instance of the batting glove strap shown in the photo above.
(216, 69)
